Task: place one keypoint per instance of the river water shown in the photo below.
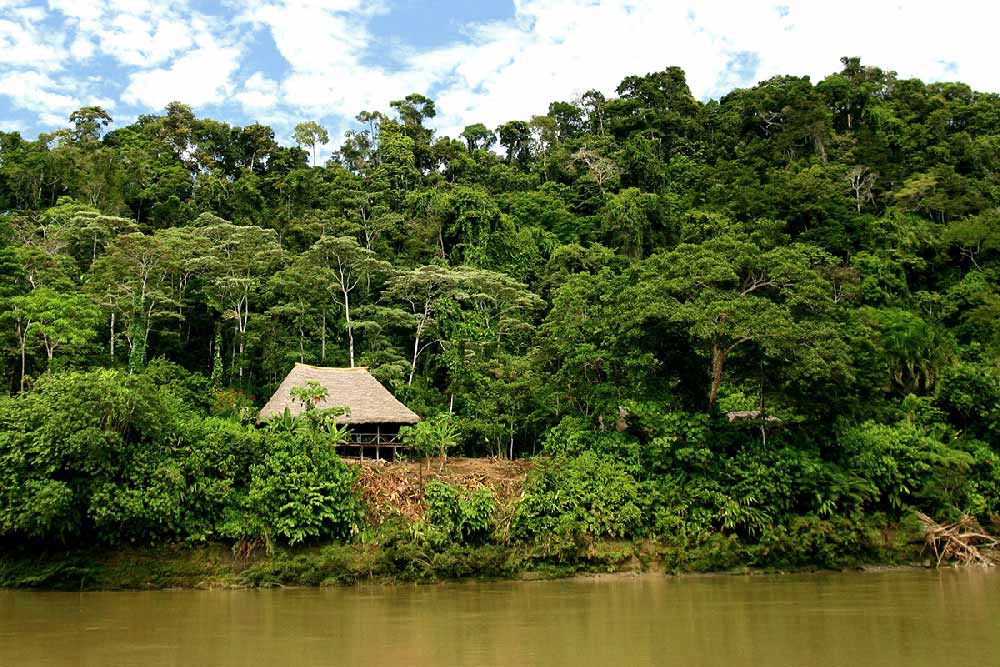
(912, 618)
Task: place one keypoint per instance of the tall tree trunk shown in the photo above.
(242, 320)
(22, 340)
(111, 336)
(416, 351)
(719, 355)
(236, 346)
(322, 338)
(350, 326)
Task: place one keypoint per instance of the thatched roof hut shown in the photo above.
(366, 399)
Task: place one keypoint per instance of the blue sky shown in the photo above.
(283, 61)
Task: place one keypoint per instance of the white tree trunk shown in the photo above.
(22, 340)
(350, 326)
(416, 351)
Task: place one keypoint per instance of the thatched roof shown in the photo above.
(353, 388)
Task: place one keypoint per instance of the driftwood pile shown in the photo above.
(961, 542)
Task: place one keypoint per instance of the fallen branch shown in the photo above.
(959, 542)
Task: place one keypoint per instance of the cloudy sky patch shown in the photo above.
(283, 61)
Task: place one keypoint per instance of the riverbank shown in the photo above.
(404, 539)
(212, 566)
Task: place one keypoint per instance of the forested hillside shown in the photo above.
(728, 317)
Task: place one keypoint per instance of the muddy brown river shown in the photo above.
(912, 618)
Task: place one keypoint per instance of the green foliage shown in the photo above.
(970, 394)
(576, 498)
(91, 455)
(907, 466)
(309, 394)
(191, 388)
(232, 404)
(310, 133)
(301, 491)
(732, 325)
(454, 516)
(435, 435)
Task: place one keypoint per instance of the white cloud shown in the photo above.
(325, 44)
(502, 70)
(556, 49)
(38, 92)
(202, 76)
(82, 48)
(916, 39)
(334, 65)
(81, 11)
(138, 40)
(168, 50)
(52, 98)
(24, 44)
(315, 37)
(258, 93)
(133, 32)
(551, 49)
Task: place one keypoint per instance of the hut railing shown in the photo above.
(371, 439)
(377, 441)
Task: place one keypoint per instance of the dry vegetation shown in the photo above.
(397, 488)
(964, 541)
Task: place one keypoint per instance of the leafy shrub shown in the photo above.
(716, 553)
(574, 435)
(303, 491)
(584, 496)
(216, 457)
(457, 516)
(432, 436)
(907, 466)
(982, 491)
(191, 388)
(809, 541)
(970, 394)
(92, 455)
(233, 404)
(686, 511)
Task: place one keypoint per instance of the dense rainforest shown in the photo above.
(769, 322)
